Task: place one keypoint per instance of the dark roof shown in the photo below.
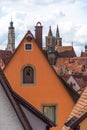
(66, 51)
(16, 101)
(67, 54)
(5, 55)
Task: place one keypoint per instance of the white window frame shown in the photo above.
(28, 49)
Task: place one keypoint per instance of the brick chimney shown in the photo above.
(38, 34)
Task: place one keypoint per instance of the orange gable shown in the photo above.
(47, 88)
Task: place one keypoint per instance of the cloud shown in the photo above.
(70, 15)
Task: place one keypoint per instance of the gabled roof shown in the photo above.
(16, 101)
(79, 109)
(67, 89)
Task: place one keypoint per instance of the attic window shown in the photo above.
(28, 47)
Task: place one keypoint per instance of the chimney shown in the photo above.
(38, 34)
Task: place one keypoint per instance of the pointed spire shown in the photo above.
(57, 32)
(50, 32)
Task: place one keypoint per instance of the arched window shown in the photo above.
(28, 74)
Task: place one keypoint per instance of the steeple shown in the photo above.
(57, 32)
(50, 32)
(11, 38)
(58, 38)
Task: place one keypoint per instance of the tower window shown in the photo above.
(28, 47)
(28, 75)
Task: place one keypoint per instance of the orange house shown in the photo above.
(32, 77)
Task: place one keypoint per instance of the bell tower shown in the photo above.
(11, 38)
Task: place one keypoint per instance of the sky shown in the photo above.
(69, 15)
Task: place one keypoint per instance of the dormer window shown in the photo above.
(28, 47)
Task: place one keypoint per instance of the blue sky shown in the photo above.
(69, 15)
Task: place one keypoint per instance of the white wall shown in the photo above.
(8, 117)
(35, 122)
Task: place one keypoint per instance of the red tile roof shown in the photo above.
(5, 56)
(79, 109)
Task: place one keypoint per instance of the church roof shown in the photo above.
(65, 51)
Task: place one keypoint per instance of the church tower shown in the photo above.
(11, 38)
(58, 39)
(50, 47)
(50, 40)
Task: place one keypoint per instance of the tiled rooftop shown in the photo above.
(5, 55)
(79, 109)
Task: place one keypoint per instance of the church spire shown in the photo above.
(50, 32)
(58, 38)
(57, 32)
(11, 38)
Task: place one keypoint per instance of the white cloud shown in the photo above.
(70, 15)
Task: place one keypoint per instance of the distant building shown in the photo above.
(55, 49)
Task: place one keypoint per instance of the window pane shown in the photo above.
(28, 46)
(49, 111)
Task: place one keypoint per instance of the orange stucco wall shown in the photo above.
(48, 88)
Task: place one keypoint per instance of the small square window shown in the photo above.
(50, 112)
(28, 46)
